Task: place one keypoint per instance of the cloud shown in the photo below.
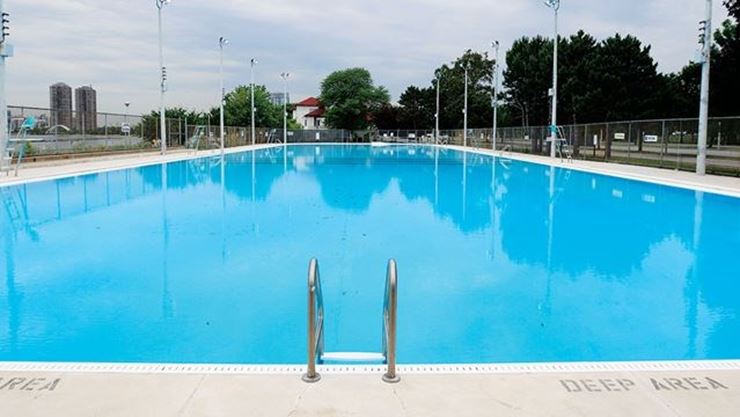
(113, 44)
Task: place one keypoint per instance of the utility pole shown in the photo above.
(285, 76)
(436, 115)
(465, 110)
(163, 79)
(495, 95)
(252, 63)
(6, 51)
(555, 6)
(221, 43)
(705, 39)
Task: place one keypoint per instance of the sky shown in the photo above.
(112, 44)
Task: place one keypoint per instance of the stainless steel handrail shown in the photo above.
(315, 321)
(390, 314)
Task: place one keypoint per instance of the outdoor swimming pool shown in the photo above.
(204, 261)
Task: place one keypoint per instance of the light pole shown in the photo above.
(495, 45)
(465, 110)
(285, 76)
(555, 6)
(6, 51)
(221, 43)
(125, 121)
(436, 115)
(252, 63)
(706, 42)
(163, 79)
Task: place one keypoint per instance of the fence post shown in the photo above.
(105, 130)
(629, 141)
(608, 146)
(664, 147)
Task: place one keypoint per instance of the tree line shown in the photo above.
(612, 79)
(599, 80)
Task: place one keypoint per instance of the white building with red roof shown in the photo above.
(310, 113)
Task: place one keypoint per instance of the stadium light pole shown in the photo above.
(221, 43)
(495, 45)
(555, 6)
(252, 63)
(285, 76)
(163, 78)
(705, 39)
(125, 115)
(6, 51)
(465, 110)
(436, 115)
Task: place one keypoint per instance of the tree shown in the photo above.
(387, 117)
(528, 78)
(452, 91)
(350, 97)
(237, 104)
(579, 77)
(615, 79)
(733, 7)
(628, 82)
(725, 83)
(417, 108)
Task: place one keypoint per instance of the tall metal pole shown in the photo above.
(285, 77)
(221, 43)
(701, 157)
(252, 62)
(495, 96)
(163, 80)
(465, 111)
(436, 115)
(555, 5)
(6, 51)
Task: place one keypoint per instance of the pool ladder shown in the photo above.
(316, 327)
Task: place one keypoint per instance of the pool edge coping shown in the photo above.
(563, 164)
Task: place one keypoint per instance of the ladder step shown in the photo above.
(352, 357)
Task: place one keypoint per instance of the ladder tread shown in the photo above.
(353, 357)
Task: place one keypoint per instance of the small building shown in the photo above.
(310, 113)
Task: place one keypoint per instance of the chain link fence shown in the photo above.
(669, 143)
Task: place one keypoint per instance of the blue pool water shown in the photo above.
(204, 262)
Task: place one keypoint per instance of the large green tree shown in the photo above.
(527, 79)
(238, 102)
(452, 91)
(350, 97)
(417, 108)
(628, 82)
(614, 79)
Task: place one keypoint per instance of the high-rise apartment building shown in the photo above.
(60, 103)
(86, 109)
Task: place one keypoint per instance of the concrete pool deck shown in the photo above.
(644, 394)
(689, 391)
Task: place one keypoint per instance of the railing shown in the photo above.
(315, 321)
(390, 314)
(316, 327)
